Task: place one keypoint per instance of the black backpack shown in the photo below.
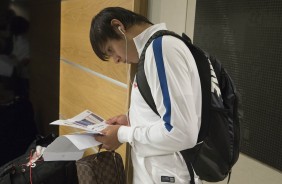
(219, 137)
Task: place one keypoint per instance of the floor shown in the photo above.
(250, 171)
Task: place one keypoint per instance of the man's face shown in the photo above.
(116, 49)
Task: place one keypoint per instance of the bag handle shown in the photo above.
(115, 161)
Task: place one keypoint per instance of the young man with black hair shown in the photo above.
(174, 81)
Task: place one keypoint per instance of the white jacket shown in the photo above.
(175, 85)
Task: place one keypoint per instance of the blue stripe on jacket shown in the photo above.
(157, 48)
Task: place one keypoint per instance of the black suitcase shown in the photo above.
(41, 172)
(56, 172)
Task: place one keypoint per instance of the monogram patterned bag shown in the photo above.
(102, 168)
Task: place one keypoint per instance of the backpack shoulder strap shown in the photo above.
(141, 78)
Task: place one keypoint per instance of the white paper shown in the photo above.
(72, 146)
(69, 147)
(86, 120)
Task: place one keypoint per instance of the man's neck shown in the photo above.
(137, 29)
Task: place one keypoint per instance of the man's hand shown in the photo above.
(109, 139)
(118, 120)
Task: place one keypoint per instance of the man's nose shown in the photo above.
(116, 59)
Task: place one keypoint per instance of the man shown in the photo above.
(175, 85)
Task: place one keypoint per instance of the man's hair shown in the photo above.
(101, 29)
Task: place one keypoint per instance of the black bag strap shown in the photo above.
(141, 78)
(191, 172)
(204, 72)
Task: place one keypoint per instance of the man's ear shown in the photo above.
(116, 24)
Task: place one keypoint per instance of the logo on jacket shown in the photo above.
(135, 85)
(168, 179)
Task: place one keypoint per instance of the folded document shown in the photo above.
(72, 146)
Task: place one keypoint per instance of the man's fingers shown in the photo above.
(99, 138)
(112, 121)
(109, 137)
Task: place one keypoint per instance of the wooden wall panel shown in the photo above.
(81, 90)
(76, 16)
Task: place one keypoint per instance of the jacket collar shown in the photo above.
(141, 39)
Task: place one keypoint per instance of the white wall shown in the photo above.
(177, 14)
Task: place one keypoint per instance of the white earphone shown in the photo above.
(119, 28)
(127, 69)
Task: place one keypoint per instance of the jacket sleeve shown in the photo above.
(171, 74)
